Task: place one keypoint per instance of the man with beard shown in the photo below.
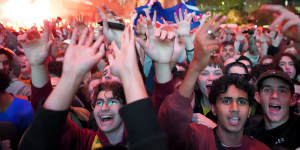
(227, 50)
(16, 87)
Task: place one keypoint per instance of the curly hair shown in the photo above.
(113, 86)
(221, 85)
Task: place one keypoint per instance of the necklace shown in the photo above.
(224, 145)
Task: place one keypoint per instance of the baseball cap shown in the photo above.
(277, 74)
(7, 51)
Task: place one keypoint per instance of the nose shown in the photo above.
(286, 67)
(274, 94)
(212, 77)
(105, 107)
(234, 106)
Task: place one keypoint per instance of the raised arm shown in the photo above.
(204, 46)
(123, 64)
(159, 47)
(287, 21)
(37, 48)
(142, 125)
(80, 57)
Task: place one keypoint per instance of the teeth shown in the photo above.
(275, 106)
(235, 119)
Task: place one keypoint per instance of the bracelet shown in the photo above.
(191, 50)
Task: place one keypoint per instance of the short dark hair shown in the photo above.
(244, 58)
(227, 68)
(4, 81)
(225, 43)
(221, 85)
(115, 87)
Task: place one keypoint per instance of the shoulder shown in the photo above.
(252, 143)
(21, 100)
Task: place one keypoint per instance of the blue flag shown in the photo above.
(168, 13)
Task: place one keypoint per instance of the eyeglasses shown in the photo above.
(280, 90)
(109, 102)
(243, 76)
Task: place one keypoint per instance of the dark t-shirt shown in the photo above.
(285, 136)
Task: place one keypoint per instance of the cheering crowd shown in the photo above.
(150, 86)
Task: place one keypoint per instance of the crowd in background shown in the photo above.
(144, 86)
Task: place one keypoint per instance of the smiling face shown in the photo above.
(106, 112)
(287, 65)
(275, 98)
(227, 51)
(232, 110)
(207, 76)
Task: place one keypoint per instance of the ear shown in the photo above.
(250, 109)
(257, 97)
(213, 109)
(293, 100)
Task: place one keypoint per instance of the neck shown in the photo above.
(205, 102)
(274, 124)
(5, 101)
(229, 139)
(116, 136)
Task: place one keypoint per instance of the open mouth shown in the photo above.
(234, 121)
(274, 107)
(106, 118)
(208, 86)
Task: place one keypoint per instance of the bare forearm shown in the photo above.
(162, 72)
(186, 89)
(61, 97)
(133, 86)
(39, 75)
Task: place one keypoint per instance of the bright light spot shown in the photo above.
(223, 3)
(25, 13)
(286, 3)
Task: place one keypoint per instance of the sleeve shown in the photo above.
(27, 116)
(147, 65)
(161, 91)
(190, 55)
(175, 115)
(143, 128)
(38, 95)
(179, 106)
(44, 133)
(273, 50)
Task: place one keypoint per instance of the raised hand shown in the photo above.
(202, 21)
(160, 43)
(81, 56)
(37, 47)
(123, 64)
(204, 45)
(288, 22)
(201, 119)
(110, 34)
(183, 23)
(124, 60)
